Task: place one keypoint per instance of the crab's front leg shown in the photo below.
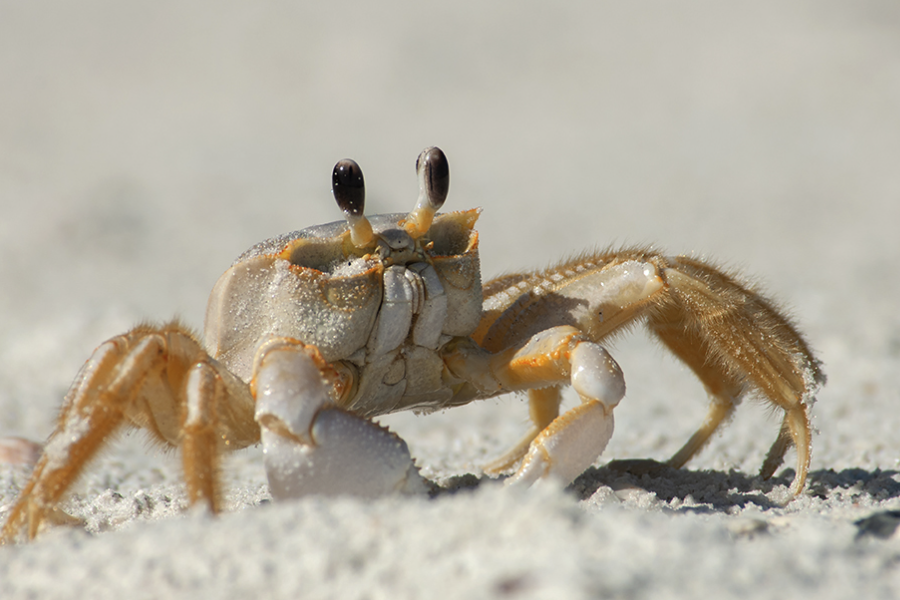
(570, 442)
(313, 447)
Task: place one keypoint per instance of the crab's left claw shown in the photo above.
(313, 447)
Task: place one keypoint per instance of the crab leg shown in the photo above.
(734, 341)
(204, 393)
(313, 447)
(81, 430)
(142, 378)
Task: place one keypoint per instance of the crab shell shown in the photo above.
(383, 319)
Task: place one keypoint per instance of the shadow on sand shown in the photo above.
(717, 491)
(714, 491)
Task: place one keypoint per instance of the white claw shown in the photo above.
(351, 456)
(574, 440)
(313, 448)
(567, 447)
(596, 375)
(289, 392)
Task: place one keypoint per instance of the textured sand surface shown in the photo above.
(144, 146)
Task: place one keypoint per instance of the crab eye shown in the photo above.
(434, 183)
(434, 171)
(349, 191)
(348, 187)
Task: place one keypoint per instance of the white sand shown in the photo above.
(143, 148)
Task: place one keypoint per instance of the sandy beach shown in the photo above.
(144, 146)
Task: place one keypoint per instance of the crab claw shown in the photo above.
(574, 440)
(313, 447)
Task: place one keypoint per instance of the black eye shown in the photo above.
(433, 164)
(348, 187)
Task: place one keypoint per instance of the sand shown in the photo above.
(144, 146)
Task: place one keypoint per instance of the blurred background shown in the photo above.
(145, 145)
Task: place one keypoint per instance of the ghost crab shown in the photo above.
(310, 334)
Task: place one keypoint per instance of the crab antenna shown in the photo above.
(349, 191)
(434, 182)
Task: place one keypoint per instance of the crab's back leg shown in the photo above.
(724, 391)
(139, 379)
(734, 339)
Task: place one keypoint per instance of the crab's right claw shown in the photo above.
(573, 441)
(313, 447)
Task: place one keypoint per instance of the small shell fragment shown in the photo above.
(17, 451)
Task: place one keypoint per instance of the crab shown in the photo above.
(310, 335)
